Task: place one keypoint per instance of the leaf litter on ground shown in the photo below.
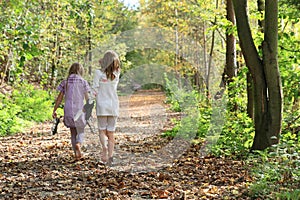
(38, 165)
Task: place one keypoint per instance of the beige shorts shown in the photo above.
(107, 123)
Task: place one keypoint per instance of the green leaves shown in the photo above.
(8, 111)
(25, 105)
(35, 105)
(276, 171)
(45, 37)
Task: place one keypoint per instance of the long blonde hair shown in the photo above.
(110, 63)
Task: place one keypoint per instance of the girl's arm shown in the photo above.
(96, 81)
(86, 96)
(57, 103)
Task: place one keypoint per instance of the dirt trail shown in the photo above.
(37, 165)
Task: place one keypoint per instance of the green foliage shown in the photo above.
(276, 171)
(187, 124)
(24, 106)
(151, 86)
(236, 137)
(238, 130)
(20, 36)
(289, 9)
(289, 65)
(290, 195)
(34, 104)
(9, 120)
(179, 97)
(288, 57)
(193, 122)
(45, 37)
(172, 95)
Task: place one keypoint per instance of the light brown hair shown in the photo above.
(76, 68)
(110, 63)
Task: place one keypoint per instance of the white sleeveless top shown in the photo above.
(107, 101)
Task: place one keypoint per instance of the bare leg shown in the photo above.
(73, 139)
(111, 143)
(75, 145)
(78, 151)
(102, 135)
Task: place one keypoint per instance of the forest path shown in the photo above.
(38, 165)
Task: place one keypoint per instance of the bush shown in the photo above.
(276, 171)
(195, 115)
(8, 112)
(35, 104)
(24, 106)
(236, 137)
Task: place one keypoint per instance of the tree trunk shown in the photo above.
(90, 25)
(270, 58)
(205, 62)
(89, 51)
(53, 60)
(250, 102)
(230, 67)
(261, 9)
(265, 74)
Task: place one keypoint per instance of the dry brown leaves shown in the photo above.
(37, 165)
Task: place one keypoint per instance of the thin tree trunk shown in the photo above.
(177, 50)
(205, 63)
(90, 24)
(230, 67)
(5, 74)
(261, 9)
(250, 102)
(53, 65)
(90, 51)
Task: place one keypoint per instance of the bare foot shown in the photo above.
(104, 156)
(110, 161)
(78, 153)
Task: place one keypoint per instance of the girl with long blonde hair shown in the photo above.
(105, 83)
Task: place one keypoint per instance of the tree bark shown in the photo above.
(261, 9)
(212, 46)
(267, 90)
(270, 57)
(230, 67)
(250, 102)
(205, 62)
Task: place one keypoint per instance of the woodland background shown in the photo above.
(40, 40)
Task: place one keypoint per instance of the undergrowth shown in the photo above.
(25, 105)
(275, 171)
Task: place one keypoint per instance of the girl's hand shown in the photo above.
(54, 115)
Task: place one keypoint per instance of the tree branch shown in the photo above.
(252, 59)
(290, 50)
